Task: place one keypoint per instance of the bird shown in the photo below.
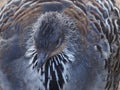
(59, 45)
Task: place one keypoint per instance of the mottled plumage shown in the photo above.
(59, 45)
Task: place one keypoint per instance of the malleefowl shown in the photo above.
(59, 45)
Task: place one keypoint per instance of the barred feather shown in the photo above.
(100, 17)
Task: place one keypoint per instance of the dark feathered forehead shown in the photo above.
(49, 19)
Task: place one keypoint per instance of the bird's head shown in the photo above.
(54, 34)
(48, 37)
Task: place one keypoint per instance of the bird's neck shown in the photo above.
(54, 72)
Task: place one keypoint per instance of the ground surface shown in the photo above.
(2, 2)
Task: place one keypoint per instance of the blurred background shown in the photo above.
(2, 2)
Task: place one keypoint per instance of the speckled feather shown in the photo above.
(90, 61)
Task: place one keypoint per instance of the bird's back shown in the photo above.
(17, 17)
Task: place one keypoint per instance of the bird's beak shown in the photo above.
(42, 58)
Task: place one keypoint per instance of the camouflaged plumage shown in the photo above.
(90, 59)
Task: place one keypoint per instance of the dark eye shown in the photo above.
(58, 42)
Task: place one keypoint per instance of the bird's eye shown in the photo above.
(58, 42)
